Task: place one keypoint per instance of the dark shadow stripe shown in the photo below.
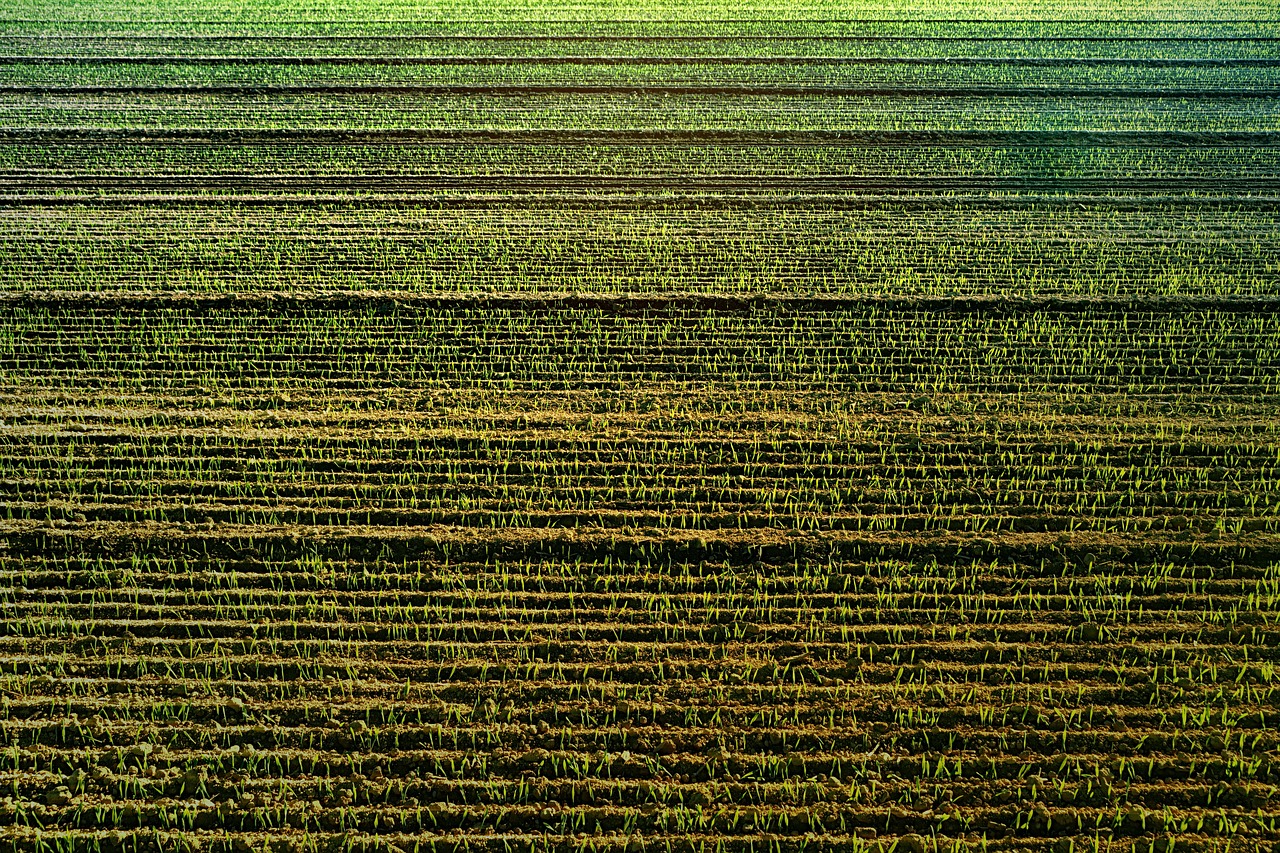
(666, 201)
(1031, 138)
(406, 184)
(928, 61)
(641, 37)
(515, 91)
(627, 304)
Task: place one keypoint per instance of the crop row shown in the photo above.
(884, 245)
(641, 111)
(851, 25)
(621, 460)
(209, 165)
(877, 701)
(825, 740)
(848, 345)
(1010, 74)
(621, 499)
(868, 700)
(1026, 614)
(364, 51)
(943, 221)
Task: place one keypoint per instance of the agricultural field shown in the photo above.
(716, 427)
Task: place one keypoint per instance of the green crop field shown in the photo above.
(727, 426)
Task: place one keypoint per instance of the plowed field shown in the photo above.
(739, 427)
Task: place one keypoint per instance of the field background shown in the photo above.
(652, 427)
